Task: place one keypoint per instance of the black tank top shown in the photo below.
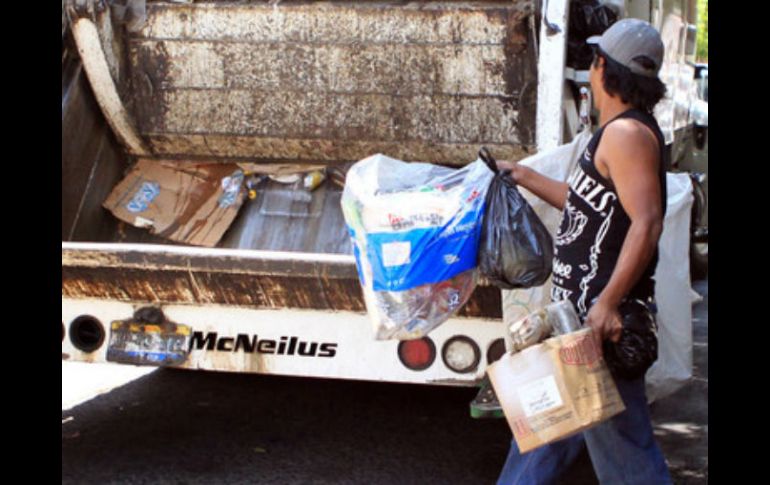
(594, 226)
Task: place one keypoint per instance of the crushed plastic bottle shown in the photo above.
(563, 317)
(557, 318)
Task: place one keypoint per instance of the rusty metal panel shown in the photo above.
(393, 69)
(150, 285)
(344, 295)
(214, 147)
(436, 118)
(333, 81)
(190, 259)
(200, 287)
(167, 287)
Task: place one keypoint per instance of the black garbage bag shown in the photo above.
(586, 18)
(515, 250)
(631, 356)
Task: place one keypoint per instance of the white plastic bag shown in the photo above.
(415, 230)
(672, 290)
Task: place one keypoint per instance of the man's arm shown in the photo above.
(629, 156)
(550, 190)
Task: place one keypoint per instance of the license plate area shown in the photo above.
(148, 344)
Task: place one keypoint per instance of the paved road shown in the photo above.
(173, 426)
(682, 419)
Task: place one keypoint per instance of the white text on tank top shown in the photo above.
(598, 200)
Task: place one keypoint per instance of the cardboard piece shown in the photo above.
(190, 204)
(554, 389)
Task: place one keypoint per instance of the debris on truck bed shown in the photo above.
(278, 169)
(187, 203)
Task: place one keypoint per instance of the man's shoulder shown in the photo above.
(628, 134)
(625, 143)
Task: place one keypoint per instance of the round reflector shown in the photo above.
(86, 333)
(461, 354)
(417, 354)
(495, 351)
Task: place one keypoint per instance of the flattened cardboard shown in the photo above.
(190, 204)
(554, 389)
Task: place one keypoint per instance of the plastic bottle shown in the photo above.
(557, 318)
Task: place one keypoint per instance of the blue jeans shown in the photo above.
(622, 449)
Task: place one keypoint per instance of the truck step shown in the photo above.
(485, 404)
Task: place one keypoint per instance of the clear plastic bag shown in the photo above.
(415, 231)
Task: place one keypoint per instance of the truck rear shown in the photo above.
(274, 88)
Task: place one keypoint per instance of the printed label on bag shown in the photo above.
(540, 396)
(396, 253)
(451, 258)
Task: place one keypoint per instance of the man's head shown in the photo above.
(627, 59)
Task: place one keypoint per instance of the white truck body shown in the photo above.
(150, 89)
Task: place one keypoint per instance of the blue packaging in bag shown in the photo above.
(415, 229)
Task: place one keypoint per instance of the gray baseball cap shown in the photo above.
(628, 39)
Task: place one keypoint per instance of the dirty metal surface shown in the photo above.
(301, 259)
(270, 261)
(328, 82)
(273, 222)
(150, 285)
(92, 160)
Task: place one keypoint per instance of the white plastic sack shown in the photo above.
(672, 290)
(415, 231)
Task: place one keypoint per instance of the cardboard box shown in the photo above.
(554, 389)
(191, 204)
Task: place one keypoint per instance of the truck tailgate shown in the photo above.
(169, 274)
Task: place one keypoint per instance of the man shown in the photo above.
(606, 248)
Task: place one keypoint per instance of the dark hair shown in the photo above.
(640, 91)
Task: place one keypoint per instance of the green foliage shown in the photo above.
(702, 46)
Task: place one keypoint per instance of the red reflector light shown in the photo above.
(417, 354)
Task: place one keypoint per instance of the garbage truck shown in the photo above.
(270, 90)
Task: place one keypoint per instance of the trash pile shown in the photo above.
(196, 203)
(415, 229)
(422, 235)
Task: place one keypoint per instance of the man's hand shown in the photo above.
(552, 191)
(605, 321)
(513, 167)
(505, 165)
